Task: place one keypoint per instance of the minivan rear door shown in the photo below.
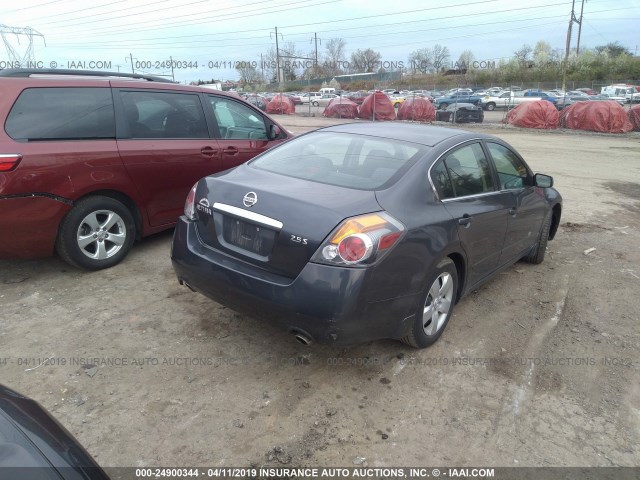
(165, 144)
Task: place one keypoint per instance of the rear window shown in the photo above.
(62, 114)
(341, 159)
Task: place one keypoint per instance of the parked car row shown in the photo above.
(510, 99)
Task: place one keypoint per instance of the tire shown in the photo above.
(316, 104)
(443, 106)
(442, 286)
(536, 255)
(97, 233)
(491, 107)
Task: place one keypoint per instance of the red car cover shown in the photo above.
(341, 107)
(383, 107)
(417, 109)
(537, 114)
(634, 117)
(281, 104)
(599, 116)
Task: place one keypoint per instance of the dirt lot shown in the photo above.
(539, 367)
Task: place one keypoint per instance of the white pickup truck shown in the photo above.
(511, 99)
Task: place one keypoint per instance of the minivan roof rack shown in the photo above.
(27, 72)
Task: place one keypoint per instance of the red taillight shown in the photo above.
(9, 161)
(189, 204)
(387, 241)
(360, 240)
(355, 248)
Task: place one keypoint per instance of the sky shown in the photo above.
(207, 38)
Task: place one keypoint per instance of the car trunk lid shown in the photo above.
(270, 220)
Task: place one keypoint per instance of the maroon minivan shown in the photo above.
(91, 161)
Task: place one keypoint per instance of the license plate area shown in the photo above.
(248, 236)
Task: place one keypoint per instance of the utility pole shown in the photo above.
(568, 46)
(579, 28)
(277, 58)
(131, 57)
(315, 65)
(172, 75)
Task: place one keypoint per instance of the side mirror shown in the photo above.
(274, 132)
(542, 181)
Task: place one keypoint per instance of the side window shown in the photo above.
(469, 171)
(442, 181)
(164, 115)
(236, 120)
(62, 114)
(512, 173)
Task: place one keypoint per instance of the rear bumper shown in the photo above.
(29, 225)
(328, 304)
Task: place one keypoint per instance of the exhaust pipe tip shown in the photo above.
(182, 282)
(303, 338)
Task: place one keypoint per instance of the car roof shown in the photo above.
(83, 78)
(61, 73)
(421, 134)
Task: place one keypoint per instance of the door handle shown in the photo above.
(230, 151)
(209, 151)
(465, 221)
(512, 211)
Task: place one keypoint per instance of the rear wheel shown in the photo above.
(443, 106)
(538, 251)
(436, 308)
(97, 233)
(316, 104)
(491, 106)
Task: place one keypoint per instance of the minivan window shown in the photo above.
(164, 114)
(62, 113)
(236, 120)
(341, 159)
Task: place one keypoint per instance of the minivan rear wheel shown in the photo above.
(97, 233)
(436, 306)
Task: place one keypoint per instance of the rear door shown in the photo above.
(240, 130)
(166, 146)
(465, 184)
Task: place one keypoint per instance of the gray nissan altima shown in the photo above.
(364, 231)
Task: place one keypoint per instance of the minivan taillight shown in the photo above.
(190, 204)
(9, 161)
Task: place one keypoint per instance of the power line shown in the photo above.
(242, 14)
(128, 40)
(82, 10)
(33, 6)
(127, 43)
(207, 19)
